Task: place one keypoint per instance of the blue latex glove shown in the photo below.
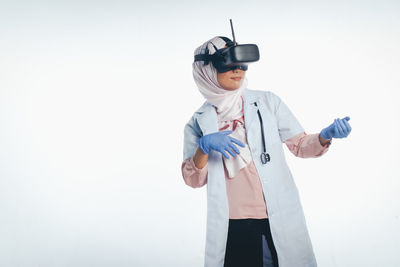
(340, 128)
(221, 142)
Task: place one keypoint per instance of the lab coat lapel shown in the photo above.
(207, 119)
(249, 109)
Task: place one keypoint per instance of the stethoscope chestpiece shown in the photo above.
(265, 158)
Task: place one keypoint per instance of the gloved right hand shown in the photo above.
(340, 128)
(221, 142)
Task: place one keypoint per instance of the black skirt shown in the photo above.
(250, 244)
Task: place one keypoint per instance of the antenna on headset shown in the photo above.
(233, 33)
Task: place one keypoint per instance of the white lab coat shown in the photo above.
(287, 222)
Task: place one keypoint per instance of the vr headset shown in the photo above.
(232, 57)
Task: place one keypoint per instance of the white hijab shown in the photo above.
(229, 104)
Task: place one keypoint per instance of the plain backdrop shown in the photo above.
(94, 96)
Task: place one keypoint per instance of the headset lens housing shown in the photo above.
(235, 57)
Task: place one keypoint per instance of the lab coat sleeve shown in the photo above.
(306, 145)
(192, 134)
(193, 176)
(288, 125)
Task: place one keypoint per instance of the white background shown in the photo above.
(94, 96)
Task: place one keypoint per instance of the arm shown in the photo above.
(293, 134)
(194, 167)
(200, 159)
(196, 149)
(324, 141)
(308, 145)
(192, 175)
(194, 170)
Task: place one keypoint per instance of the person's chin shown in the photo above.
(236, 85)
(233, 86)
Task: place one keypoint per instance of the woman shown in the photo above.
(254, 215)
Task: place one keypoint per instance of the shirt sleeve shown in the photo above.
(193, 176)
(306, 145)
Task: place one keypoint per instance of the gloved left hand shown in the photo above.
(340, 128)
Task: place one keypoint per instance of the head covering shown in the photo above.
(228, 103)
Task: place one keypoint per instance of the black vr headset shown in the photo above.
(232, 57)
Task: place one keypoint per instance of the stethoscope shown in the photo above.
(265, 157)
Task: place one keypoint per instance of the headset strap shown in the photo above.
(203, 57)
(207, 57)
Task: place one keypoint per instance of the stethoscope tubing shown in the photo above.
(265, 157)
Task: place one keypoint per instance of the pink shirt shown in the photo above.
(244, 191)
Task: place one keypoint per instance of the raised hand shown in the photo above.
(340, 128)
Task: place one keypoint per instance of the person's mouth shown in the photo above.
(236, 78)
